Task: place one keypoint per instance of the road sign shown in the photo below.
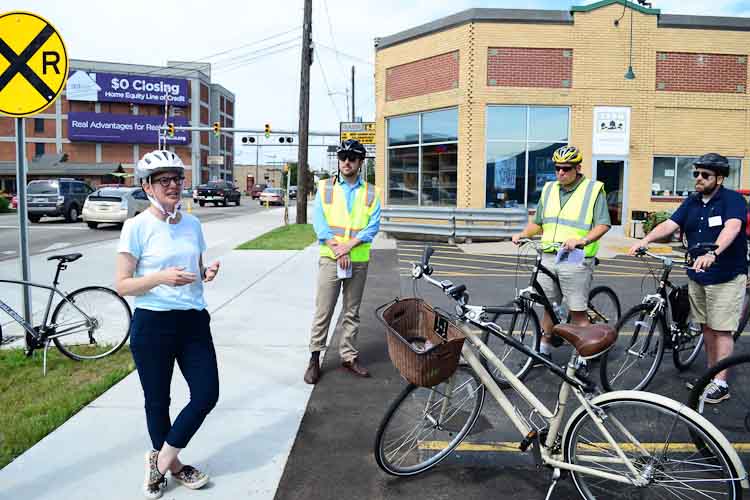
(364, 132)
(33, 64)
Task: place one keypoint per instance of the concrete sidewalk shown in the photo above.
(261, 306)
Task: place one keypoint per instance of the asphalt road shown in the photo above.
(53, 233)
(333, 454)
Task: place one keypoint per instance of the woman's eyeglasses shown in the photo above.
(166, 181)
(705, 175)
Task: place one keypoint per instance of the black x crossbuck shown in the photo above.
(18, 63)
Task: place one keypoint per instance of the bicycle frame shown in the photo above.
(41, 334)
(554, 418)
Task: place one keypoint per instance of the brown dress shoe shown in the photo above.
(357, 369)
(312, 374)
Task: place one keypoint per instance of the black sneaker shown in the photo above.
(715, 393)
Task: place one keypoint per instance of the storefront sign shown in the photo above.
(136, 89)
(126, 129)
(611, 131)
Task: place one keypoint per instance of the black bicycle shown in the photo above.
(88, 323)
(524, 325)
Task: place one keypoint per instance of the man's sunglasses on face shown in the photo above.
(348, 156)
(563, 169)
(166, 181)
(705, 175)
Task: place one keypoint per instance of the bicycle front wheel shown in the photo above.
(634, 359)
(604, 306)
(525, 328)
(687, 346)
(91, 323)
(424, 425)
(745, 314)
(658, 440)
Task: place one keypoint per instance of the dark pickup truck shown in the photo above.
(217, 192)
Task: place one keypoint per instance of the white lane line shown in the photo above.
(48, 227)
(8, 252)
(56, 246)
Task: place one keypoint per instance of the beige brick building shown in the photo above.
(471, 106)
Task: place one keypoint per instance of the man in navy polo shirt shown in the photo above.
(714, 214)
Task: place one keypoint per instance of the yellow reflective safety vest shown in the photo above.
(345, 225)
(575, 219)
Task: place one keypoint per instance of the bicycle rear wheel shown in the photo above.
(732, 416)
(424, 425)
(604, 306)
(745, 314)
(91, 323)
(659, 441)
(634, 359)
(687, 346)
(527, 330)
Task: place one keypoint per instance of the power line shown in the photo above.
(354, 58)
(330, 96)
(333, 40)
(230, 61)
(242, 63)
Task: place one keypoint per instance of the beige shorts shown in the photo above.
(575, 282)
(718, 306)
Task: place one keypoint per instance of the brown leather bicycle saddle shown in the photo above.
(589, 341)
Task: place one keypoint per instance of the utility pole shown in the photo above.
(354, 119)
(304, 114)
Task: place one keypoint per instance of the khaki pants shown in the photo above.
(329, 286)
(719, 306)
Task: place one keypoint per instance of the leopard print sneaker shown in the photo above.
(190, 477)
(155, 483)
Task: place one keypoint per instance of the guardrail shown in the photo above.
(452, 223)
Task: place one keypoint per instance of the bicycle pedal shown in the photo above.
(528, 440)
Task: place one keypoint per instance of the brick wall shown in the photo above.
(80, 152)
(529, 67)
(117, 153)
(689, 72)
(426, 76)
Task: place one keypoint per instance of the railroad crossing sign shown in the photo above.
(33, 64)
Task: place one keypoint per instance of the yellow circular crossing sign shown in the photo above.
(33, 64)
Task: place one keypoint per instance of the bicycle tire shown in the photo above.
(624, 345)
(431, 451)
(599, 315)
(512, 357)
(111, 315)
(642, 425)
(744, 314)
(683, 363)
(700, 386)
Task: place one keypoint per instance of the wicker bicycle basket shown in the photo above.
(411, 323)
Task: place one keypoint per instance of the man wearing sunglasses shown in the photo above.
(346, 219)
(572, 211)
(714, 215)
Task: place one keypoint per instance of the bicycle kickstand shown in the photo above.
(555, 479)
(44, 358)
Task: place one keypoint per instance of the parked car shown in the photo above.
(217, 192)
(292, 192)
(113, 205)
(56, 198)
(274, 196)
(256, 190)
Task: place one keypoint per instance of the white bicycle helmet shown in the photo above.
(157, 161)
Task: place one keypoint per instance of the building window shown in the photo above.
(672, 175)
(520, 143)
(38, 149)
(423, 158)
(38, 124)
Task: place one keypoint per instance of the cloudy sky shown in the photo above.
(254, 45)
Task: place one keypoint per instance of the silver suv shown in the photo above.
(57, 198)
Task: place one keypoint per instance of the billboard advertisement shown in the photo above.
(124, 129)
(136, 89)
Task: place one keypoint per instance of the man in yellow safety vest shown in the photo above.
(572, 211)
(346, 218)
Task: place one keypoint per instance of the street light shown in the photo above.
(345, 93)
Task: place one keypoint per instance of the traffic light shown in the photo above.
(170, 129)
(287, 140)
(248, 140)
(217, 129)
(268, 130)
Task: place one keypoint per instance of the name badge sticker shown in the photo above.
(714, 221)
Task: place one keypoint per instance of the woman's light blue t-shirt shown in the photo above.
(157, 245)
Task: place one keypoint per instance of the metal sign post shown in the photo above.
(23, 240)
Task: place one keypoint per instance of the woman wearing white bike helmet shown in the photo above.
(160, 262)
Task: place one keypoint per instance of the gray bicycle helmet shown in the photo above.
(714, 162)
(157, 161)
